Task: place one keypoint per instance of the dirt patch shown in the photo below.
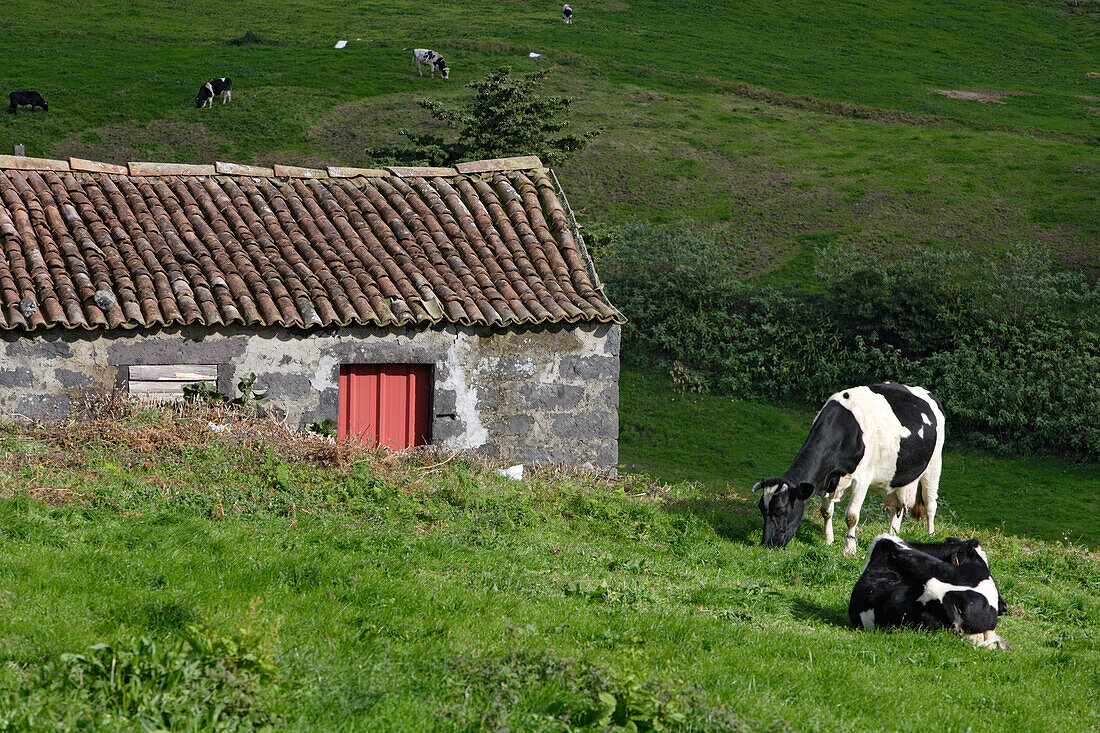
(1088, 98)
(167, 140)
(979, 95)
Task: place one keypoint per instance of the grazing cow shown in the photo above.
(886, 437)
(928, 586)
(26, 98)
(434, 62)
(211, 89)
(566, 14)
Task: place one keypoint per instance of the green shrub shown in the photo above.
(1012, 348)
(1029, 386)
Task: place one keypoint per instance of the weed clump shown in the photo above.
(202, 680)
(525, 691)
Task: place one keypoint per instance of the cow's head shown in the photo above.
(440, 64)
(971, 552)
(781, 505)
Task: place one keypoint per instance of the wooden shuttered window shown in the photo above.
(165, 382)
(386, 404)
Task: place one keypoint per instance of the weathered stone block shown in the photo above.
(589, 367)
(445, 402)
(18, 377)
(608, 455)
(586, 425)
(41, 407)
(613, 339)
(280, 385)
(518, 425)
(70, 378)
(550, 396)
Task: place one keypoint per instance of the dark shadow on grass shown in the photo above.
(733, 519)
(805, 610)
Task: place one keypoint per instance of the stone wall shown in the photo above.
(540, 394)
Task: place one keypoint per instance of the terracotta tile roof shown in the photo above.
(96, 245)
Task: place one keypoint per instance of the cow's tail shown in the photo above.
(920, 503)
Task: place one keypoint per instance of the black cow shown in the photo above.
(212, 88)
(566, 14)
(886, 438)
(27, 98)
(928, 586)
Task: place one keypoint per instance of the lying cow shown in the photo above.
(431, 59)
(27, 98)
(566, 14)
(928, 586)
(212, 88)
(885, 438)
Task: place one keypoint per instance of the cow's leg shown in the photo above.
(828, 503)
(851, 516)
(930, 489)
(827, 517)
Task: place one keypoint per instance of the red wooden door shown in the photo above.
(385, 404)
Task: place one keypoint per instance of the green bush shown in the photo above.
(1012, 348)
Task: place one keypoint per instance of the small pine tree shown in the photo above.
(507, 116)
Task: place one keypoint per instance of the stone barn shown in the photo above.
(455, 306)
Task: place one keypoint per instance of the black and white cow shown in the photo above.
(26, 98)
(886, 438)
(431, 59)
(566, 14)
(211, 89)
(928, 586)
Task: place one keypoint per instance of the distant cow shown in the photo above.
(928, 586)
(566, 14)
(431, 59)
(212, 88)
(886, 438)
(26, 98)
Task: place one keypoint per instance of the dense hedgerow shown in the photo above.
(1012, 348)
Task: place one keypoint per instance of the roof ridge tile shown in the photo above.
(414, 171)
(345, 172)
(295, 171)
(517, 163)
(147, 168)
(95, 166)
(26, 163)
(237, 169)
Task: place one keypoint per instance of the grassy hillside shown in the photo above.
(323, 588)
(793, 126)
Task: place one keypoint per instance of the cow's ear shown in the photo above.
(803, 491)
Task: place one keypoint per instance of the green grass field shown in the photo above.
(794, 127)
(391, 595)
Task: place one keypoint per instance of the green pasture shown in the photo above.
(429, 595)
